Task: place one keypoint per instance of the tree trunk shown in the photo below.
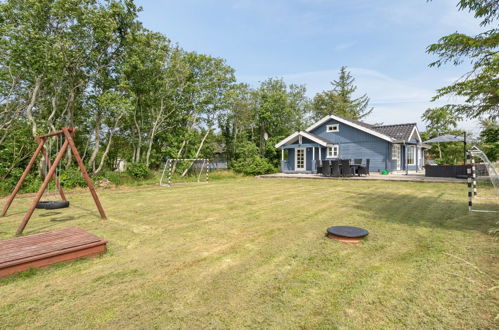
(198, 151)
(136, 156)
(29, 108)
(108, 146)
(93, 157)
(149, 146)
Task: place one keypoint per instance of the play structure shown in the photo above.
(40, 250)
(66, 135)
(185, 170)
(347, 234)
(481, 172)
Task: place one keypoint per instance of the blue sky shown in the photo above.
(382, 43)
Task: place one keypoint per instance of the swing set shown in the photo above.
(67, 134)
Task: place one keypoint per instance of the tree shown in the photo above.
(340, 100)
(480, 86)
(440, 121)
(489, 139)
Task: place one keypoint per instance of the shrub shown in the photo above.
(138, 170)
(72, 178)
(249, 161)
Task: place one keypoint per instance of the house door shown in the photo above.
(396, 155)
(300, 159)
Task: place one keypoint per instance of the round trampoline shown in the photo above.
(347, 234)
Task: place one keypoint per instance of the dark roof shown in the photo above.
(398, 132)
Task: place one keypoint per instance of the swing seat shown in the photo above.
(52, 205)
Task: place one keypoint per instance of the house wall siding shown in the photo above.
(357, 144)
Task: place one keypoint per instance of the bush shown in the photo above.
(72, 178)
(138, 170)
(249, 161)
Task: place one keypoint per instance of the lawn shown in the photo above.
(252, 253)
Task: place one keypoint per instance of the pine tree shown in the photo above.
(340, 100)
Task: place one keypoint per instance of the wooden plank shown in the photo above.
(39, 263)
(40, 250)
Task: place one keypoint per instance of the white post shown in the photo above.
(282, 154)
(313, 153)
(320, 154)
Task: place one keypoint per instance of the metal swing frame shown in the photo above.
(67, 133)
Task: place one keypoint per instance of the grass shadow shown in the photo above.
(49, 214)
(433, 212)
(65, 218)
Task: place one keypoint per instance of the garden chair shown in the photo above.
(335, 168)
(318, 166)
(346, 170)
(357, 162)
(364, 169)
(326, 168)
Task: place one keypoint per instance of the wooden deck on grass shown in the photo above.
(40, 250)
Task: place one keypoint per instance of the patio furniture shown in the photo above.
(346, 170)
(335, 168)
(356, 162)
(347, 234)
(318, 165)
(326, 168)
(364, 169)
(445, 171)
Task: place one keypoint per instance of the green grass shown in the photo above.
(251, 253)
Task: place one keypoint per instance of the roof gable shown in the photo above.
(353, 123)
(317, 139)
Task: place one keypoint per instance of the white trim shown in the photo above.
(332, 147)
(287, 139)
(299, 134)
(332, 128)
(313, 138)
(347, 122)
(417, 132)
(304, 159)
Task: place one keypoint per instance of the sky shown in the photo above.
(382, 43)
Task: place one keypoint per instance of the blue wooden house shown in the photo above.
(389, 147)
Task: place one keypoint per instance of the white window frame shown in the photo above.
(333, 128)
(396, 155)
(330, 152)
(411, 150)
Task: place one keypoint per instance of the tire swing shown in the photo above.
(53, 204)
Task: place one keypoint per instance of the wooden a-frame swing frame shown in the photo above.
(68, 133)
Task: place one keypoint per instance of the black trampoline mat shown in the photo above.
(347, 231)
